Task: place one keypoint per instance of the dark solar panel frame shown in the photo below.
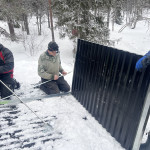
(107, 84)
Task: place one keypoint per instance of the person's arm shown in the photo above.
(60, 67)
(7, 67)
(42, 73)
(8, 61)
(143, 62)
(61, 70)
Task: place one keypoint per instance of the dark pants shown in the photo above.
(55, 86)
(6, 79)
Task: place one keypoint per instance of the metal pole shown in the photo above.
(6, 97)
(139, 133)
(49, 80)
(41, 83)
(51, 20)
(25, 104)
(35, 86)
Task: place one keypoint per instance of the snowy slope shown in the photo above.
(133, 40)
(74, 127)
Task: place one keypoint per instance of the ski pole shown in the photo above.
(34, 86)
(6, 97)
(41, 83)
(49, 80)
(25, 104)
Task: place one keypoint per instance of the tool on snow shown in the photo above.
(6, 97)
(35, 86)
(49, 80)
(29, 99)
(2, 99)
(45, 123)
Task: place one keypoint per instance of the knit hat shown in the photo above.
(52, 46)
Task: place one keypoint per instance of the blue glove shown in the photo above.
(141, 64)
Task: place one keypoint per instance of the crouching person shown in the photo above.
(49, 67)
(6, 72)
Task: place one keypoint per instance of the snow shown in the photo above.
(73, 127)
(133, 40)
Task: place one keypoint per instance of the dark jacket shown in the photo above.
(6, 62)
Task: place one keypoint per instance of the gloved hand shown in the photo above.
(139, 65)
(143, 62)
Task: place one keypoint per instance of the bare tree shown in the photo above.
(51, 20)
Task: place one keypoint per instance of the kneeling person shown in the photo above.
(6, 71)
(49, 67)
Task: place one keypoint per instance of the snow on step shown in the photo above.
(18, 132)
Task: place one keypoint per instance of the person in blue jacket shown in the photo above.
(143, 62)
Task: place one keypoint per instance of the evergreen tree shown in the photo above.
(6, 14)
(77, 19)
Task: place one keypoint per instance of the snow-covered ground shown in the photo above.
(133, 40)
(73, 127)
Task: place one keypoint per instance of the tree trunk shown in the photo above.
(48, 19)
(40, 28)
(118, 17)
(37, 19)
(25, 19)
(11, 29)
(51, 18)
(113, 21)
(108, 17)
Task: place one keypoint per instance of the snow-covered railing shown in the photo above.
(106, 83)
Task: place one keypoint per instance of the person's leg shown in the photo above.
(50, 87)
(63, 85)
(0, 88)
(5, 92)
(16, 84)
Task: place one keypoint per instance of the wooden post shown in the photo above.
(51, 21)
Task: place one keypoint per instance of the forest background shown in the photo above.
(25, 26)
(91, 20)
